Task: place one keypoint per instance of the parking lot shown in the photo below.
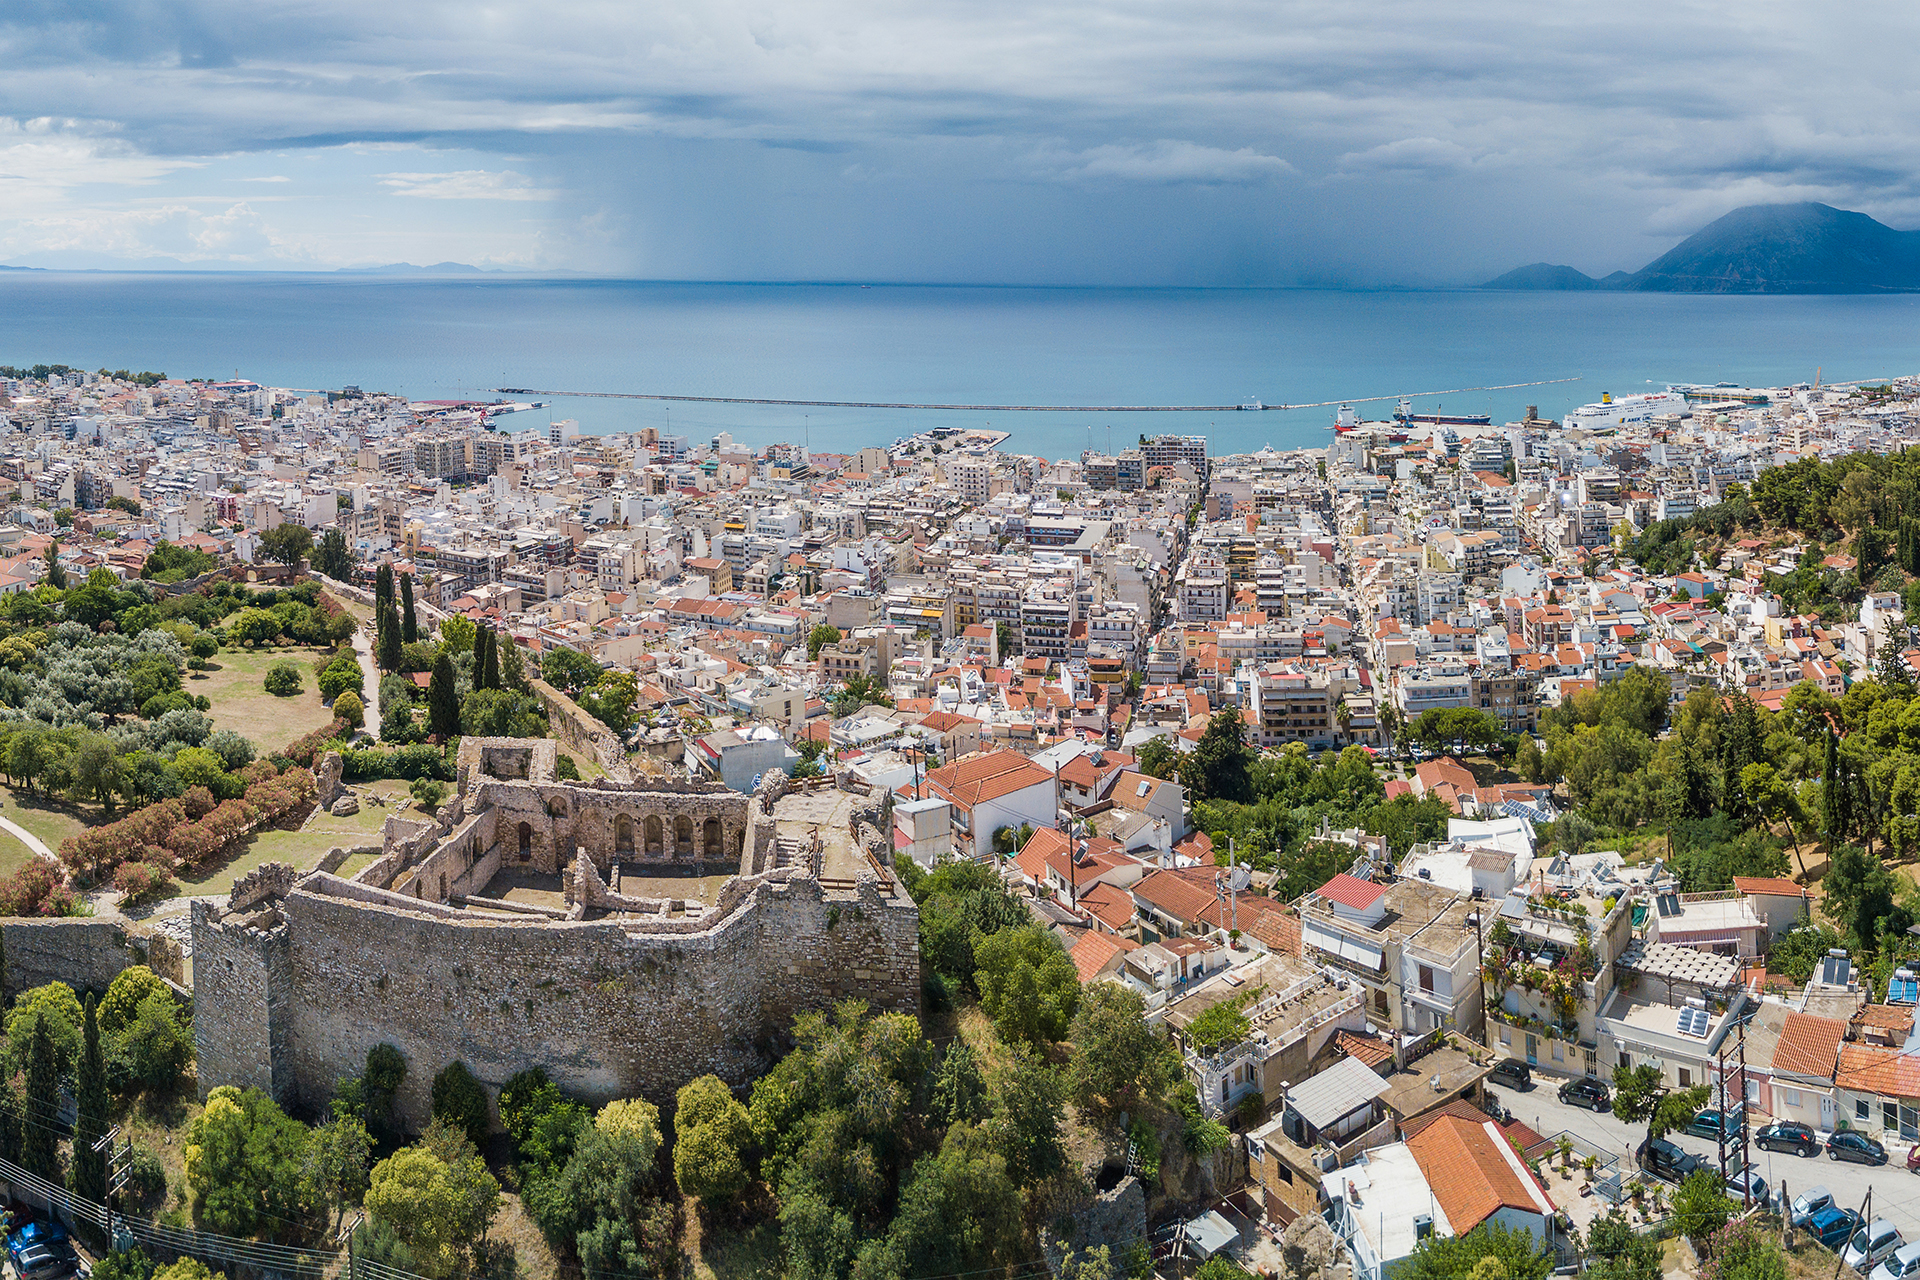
(1896, 1192)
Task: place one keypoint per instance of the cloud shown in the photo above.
(1409, 155)
(236, 234)
(278, 177)
(1174, 161)
(466, 184)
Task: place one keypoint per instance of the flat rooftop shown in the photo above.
(828, 810)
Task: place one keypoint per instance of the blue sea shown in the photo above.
(457, 337)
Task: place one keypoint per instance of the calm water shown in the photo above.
(447, 338)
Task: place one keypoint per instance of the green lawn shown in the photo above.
(302, 849)
(241, 702)
(13, 854)
(53, 820)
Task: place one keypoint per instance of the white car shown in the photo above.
(1871, 1244)
(1904, 1262)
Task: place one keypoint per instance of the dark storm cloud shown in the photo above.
(1209, 142)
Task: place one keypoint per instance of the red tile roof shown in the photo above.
(1094, 950)
(1769, 884)
(1349, 891)
(1474, 1172)
(1807, 1045)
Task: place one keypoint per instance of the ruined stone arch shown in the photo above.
(526, 842)
(656, 835)
(683, 836)
(713, 841)
(623, 834)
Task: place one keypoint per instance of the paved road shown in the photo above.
(1896, 1192)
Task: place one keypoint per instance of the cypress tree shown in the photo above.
(382, 587)
(3, 969)
(1830, 798)
(409, 626)
(493, 661)
(389, 641)
(38, 1151)
(480, 634)
(90, 1124)
(443, 701)
(12, 1131)
(512, 672)
(56, 576)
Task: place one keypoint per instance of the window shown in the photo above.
(1753, 1089)
(1506, 1032)
(1280, 1168)
(1686, 1078)
(1889, 1114)
(1862, 1110)
(1426, 977)
(1790, 1096)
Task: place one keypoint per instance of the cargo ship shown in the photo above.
(1403, 412)
(1347, 420)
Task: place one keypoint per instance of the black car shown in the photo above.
(1788, 1136)
(1586, 1092)
(1513, 1072)
(1664, 1160)
(1857, 1147)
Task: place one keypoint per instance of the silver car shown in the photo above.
(1808, 1203)
(1871, 1245)
(1904, 1262)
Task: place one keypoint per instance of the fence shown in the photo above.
(221, 1253)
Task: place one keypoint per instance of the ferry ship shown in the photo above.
(1403, 412)
(1721, 391)
(1347, 420)
(1614, 412)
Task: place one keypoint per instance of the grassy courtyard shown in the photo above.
(235, 685)
(302, 849)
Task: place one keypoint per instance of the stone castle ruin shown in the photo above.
(626, 936)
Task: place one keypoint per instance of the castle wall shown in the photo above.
(609, 1013)
(243, 990)
(86, 954)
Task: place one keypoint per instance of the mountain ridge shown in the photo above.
(1760, 248)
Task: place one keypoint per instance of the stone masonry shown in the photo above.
(615, 997)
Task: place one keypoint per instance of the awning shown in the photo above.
(1343, 945)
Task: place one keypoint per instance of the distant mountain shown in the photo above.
(1762, 248)
(408, 269)
(1543, 275)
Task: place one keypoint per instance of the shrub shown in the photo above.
(124, 996)
(304, 750)
(37, 889)
(198, 802)
(429, 792)
(342, 674)
(460, 1101)
(348, 707)
(142, 882)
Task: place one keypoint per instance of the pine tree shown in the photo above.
(443, 701)
(90, 1122)
(38, 1151)
(389, 640)
(493, 661)
(409, 626)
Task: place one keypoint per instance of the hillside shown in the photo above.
(1766, 248)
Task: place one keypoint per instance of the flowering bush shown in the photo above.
(37, 890)
(140, 881)
(198, 802)
(303, 750)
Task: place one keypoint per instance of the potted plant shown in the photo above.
(1587, 1166)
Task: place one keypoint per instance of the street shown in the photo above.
(1896, 1191)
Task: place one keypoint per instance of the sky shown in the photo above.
(1199, 143)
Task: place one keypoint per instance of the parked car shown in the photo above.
(1871, 1244)
(1834, 1226)
(1513, 1073)
(1787, 1135)
(1808, 1203)
(1745, 1186)
(48, 1260)
(1904, 1262)
(31, 1234)
(1714, 1124)
(1913, 1159)
(1857, 1147)
(1664, 1160)
(1586, 1092)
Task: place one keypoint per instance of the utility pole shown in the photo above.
(1479, 977)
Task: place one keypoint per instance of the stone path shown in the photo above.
(27, 838)
(363, 647)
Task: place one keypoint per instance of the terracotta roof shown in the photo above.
(1886, 1017)
(1807, 1045)
(1769, 884)
(1094, 950)
(988, 777)
(1866, 1068)
(1368, 1049)
(1109, 904)
(1349, 891)
(1474, 1171)
(1174, 894)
